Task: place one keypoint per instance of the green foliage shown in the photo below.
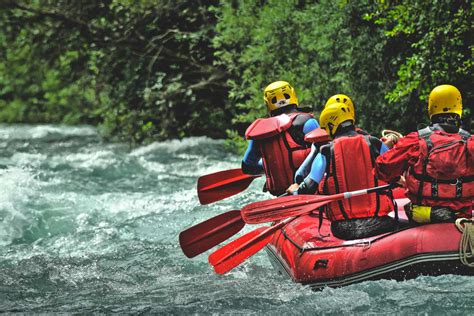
(322, 48)
(438, 49)
(143, 70)
(234, 142)
(386, 56)
(157, 69)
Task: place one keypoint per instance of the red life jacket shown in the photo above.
(281, 154)
(444, 173)
(350, 164)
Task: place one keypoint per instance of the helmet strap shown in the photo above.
(331, 130)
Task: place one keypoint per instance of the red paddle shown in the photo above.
(201, 237)
(228, 257)
(223, 184)
(293, 205)
(234, 253)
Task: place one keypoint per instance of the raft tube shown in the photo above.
(319, 259)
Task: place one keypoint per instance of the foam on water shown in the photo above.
(25, 132)
(17, 189)
(88, 227)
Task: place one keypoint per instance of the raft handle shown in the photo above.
(365, 244)
(321, 263)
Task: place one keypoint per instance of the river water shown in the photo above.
(87, 226)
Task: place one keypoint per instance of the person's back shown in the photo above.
(318, 139)
(276, 144)
(346, 164)
(438, 162)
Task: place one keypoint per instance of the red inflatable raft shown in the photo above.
(299, 251)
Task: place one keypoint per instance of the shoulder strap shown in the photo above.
(372, 159)
(334, 171)
(425, 134)
(371, 148)
(465, 135)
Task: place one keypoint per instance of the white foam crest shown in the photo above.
(152, 166)
(194, 169)
(88, 159)
(205, 169)
(18, 186)
(27, 159)
(17, 131)
(136, 204)
(174, 145)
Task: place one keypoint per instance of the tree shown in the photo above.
(143, 70)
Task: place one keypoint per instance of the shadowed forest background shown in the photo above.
(151, 70)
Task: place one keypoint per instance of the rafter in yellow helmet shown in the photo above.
(445, 99)
(333, 115)
(341, 98)
(279, 94)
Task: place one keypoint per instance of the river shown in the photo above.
(87, 226)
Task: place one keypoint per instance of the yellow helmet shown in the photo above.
(334, 115)
(279, 94)
(341, 98)
(445, 99)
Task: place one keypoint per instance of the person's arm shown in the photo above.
(379, 146)
(305, 167)
(383, 148)
(392, 163)
(252, 161)
(311, 182)
(310, 125)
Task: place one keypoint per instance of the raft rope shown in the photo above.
(466, 245)
(393, 136)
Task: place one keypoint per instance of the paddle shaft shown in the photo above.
(322, 198)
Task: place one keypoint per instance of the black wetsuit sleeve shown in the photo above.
(296, 129)
(308, 186)
(376, 144)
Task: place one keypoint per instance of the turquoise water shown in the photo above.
(87, 226)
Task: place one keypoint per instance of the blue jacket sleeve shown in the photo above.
(383, 148)
(305, 167)
(310, 183)
(310, 125)
(318, 168)
(252, 161)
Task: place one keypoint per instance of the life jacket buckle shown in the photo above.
(434, 188)
(458, 187)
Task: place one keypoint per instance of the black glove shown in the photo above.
(308, 186)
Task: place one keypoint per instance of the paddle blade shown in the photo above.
(279, 215)
(202, 237)
(228, 257)
(283, 207)
(223, 184)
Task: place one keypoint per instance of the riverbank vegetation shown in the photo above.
(157, 69)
